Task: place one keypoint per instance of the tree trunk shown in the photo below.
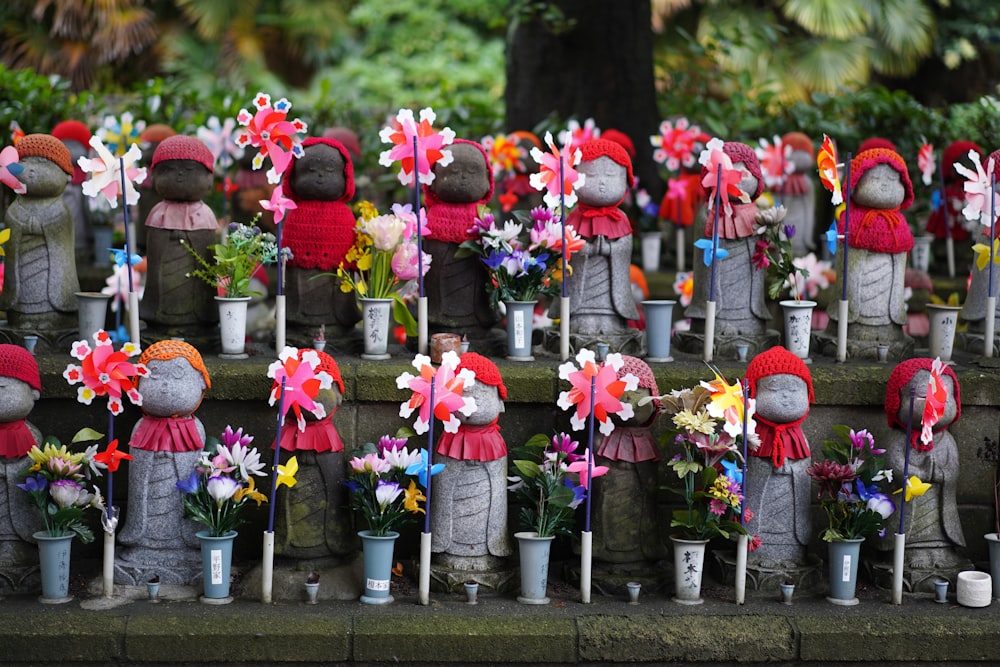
(601, 68)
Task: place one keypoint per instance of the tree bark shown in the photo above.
(601, 68)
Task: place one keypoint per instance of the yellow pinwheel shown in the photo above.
(914, 488)
(286, 473)
(983, 254)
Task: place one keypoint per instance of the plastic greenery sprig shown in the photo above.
(542, 484)
(236, 260)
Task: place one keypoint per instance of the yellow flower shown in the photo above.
(914, 488)
(693, 422)
(286, 473)
(365, 262)
(366, 210)
(413, 495)
(4, 237)
(250, 492)
(952, 300)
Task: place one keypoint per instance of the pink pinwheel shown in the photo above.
(576, 135)
(675, 144)
(430, 145)
(580, 467)
(106, 173)
(712, 158)
(278, 204)
(926, 162)
(219, 139)
(448, 388)
(934, 404)
(978, 190)
(10, 170)
(272, 134)
(547, 176)
(608, 390)
(303, 382)
(105, 372)
(775, 161)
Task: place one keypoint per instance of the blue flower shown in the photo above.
(189, 485)
(579, 493)
(936, 200)
(789, 232)
(32, 484)
(351, 485)
(420, 469)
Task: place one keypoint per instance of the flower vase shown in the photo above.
(942, 320)
(216, 565)
(520, 318)
(377, 553)
(798, 326)
(534, 556)
(689, 566)
(651, 243)
(92, 313)
(920, 255)
(993, 542)
(375, 323)
(659, 321)
(53, 560)
(233, 326)
(844, 556)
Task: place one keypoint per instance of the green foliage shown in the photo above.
(38, 102)
(546, 503)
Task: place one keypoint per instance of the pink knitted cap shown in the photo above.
(182, 147)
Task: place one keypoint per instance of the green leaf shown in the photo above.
(528, 469)
(87, 435)
(403, 315)
(685, 468)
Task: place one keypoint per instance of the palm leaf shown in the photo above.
(837, 19)
(826, 65)
(905, 33)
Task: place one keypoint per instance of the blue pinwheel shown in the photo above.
(710, 255)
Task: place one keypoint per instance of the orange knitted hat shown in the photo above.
(165, 350)
(799, 141)
(157, 132)
(48, 147)
(486, 371)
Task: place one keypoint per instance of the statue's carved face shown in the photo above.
(319, 174)
(782, 398)
(605, 184)
(919, 383)
(172, 387)
(17, 399)
(880, 187)
(42, 177)
(181, 180)
(465, 180)
(489, 406)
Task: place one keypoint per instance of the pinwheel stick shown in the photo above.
(564, 299)
(422, 342)
(709, 347)
(267, 560)
(991, 299)
(842, 310)
(899, 545)
(680, 248)
(742, 543)
(587, 537)
(424, 583)
(280, 309)
(108, 571)
(133, 296)
(949, 241)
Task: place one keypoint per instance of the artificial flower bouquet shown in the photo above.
(56, 482)
(383, 260)
(236, 259)
(773, 254)
(849, 481)
(708, 428)
(544, 485)
(383, 483)
(521, 268)
(222, 483)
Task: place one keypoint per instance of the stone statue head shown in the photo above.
(20, 383)
(489, 390)
(46, 163)
(914, 374)
(177, 379)
(608, 173)
(781, 384)
(323, 173)
(745, 160)
(803, 155)
(645, 414)
(468, 179)
(879, 180)
(182, 169)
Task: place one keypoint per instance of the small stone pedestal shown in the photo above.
(915, 580)
(625, 342)
(449, 574)
(768, 577)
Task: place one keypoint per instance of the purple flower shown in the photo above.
(189, 485)
(565, 445)
(389, 442)
(541, 215)
(221, 488)
(579, 493)
(33, 484)
(789, 232)
(862, 439)
(230, 438)
(65, 492)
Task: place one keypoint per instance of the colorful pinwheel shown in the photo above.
(430, 146)
(826, 162)
(448, 388)
(582, 465)
(775, 161)
(16, 133)
(684, 287)
(219, 139)
(103, 371)
(278, 204)
(711, 159)
(978, 189)
(575, 134)
(675, 144)
(934, 404)
(727, 403)
(914, 487)
(505, 154)
(608, 390)
(272, 134)
(547, 176)
(982, 251)
(118, 135)
(111, 457)
(709, 252)
(926, 161)
(106, 173)
(10, 170)
(303, 382)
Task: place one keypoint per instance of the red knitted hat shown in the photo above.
(621, 139)
(868, 159)
(486, 371)
(876, 142)
(641, 370)
(165, 350)
(345, 136)
(799, 141)
(995, 156)
(902, 374)
(348, 168)
(182, 147)
(595, 148)
(16, 362)
(48, 147)
(777, 361)
(738, 152)
(326, 363)
(958, 150)
(157, 132)
(72, 130)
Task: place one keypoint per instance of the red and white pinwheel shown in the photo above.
(448, 388)
(303, 382)
(712, 158)
(430, 146)
(775, 161)
(278, 204)
(675, 144)
(547, 176)
(978, 190)
(218, 136)
(106, 173)
(926, 162)
(608, 390)
(104, 371)
(272, 134)
(576, 135)
(934, 404)
(10, 170)
(826, 163)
